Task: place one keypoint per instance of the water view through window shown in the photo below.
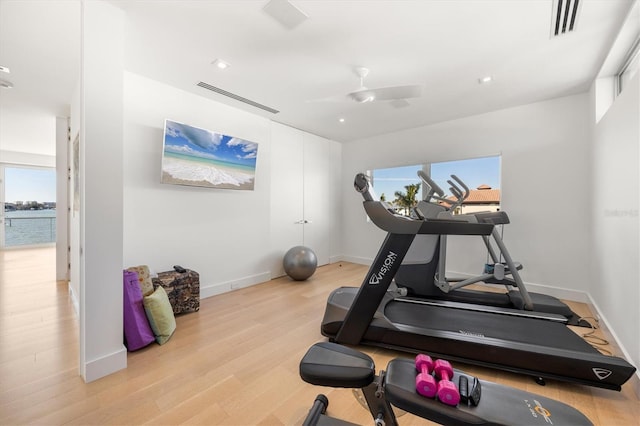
(29, 206)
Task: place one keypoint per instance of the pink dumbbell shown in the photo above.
(447, 391)
(425, 382)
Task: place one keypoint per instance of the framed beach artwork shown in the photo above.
(199, 157)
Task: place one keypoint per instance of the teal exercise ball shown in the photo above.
(300, 263)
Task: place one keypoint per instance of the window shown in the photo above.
(629, 68)
(29, 203)
(398, 186)
(402, 188)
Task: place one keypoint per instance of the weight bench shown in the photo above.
(333, 365)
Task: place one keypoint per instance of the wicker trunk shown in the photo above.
(183, 290)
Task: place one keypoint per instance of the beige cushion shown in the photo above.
(160, 315)
(144, 279)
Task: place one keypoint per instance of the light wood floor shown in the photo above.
(233, 363)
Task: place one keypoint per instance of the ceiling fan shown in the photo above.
(398, 94)
(364, 94)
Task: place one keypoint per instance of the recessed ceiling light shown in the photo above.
(6, 84)
(223, 65)
(341, 120)
(485, 80)
(5, 69)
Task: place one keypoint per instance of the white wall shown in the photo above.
(615, 286)
(545, 187)
(27, 128)
(222, 234)
(227, 236)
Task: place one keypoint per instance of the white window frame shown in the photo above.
(629, 67)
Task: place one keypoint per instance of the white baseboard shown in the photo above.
(559, 292)
(103, 366)
(74, 301)
(227, 286)
(359, 260)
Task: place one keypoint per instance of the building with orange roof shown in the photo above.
(482, 199)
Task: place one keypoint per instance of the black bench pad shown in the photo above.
(330, 364)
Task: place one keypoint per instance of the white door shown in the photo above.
(318, 201)
(286, 193)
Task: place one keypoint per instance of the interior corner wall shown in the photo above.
(101, 322)
(222, 234)
(545, 172)
(615, 240)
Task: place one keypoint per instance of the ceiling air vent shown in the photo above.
(564, 16)
(236, 97)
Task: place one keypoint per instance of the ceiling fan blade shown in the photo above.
(386, 93)
(399, 103)
(397, 92)
(362, 95)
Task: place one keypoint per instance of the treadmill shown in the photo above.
(531, 343)
(422, 272)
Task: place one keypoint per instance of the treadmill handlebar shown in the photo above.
(398, 224)
(457, 187)
(361, 184)
(466, 191)
(461, 194)
(435, 189)
(496, 218)
(394, 223)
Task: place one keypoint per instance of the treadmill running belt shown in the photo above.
(514, 329)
